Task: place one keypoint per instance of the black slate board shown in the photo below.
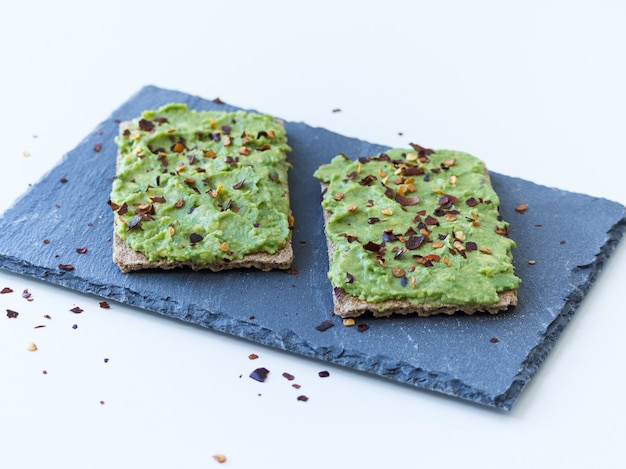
(452, 355)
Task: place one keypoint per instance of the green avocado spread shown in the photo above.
(416, 225)
(201, 186)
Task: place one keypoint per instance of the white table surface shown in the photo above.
(536, 89)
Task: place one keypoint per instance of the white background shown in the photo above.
(536, 89)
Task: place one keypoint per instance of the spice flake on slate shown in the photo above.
(76, 310)
(323, 374)
(12, 314)
(324, 325)
(66, 267)
(362, 327)
(303, 398)
(288, 376)
(260, 374)
(6, 290)
(494, 340)
(104, 305)
(521, 208)
(81, 250)
(97, 147)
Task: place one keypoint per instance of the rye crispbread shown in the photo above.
(129, 260)
(347, 305)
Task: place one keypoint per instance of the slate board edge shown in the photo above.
(537, 356)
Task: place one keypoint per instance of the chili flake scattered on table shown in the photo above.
(6, 290)
(260, 374)
(220, 458)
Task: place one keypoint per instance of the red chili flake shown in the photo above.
(46, 241)
(367, 180)
(372, 246)
(349, 277)
(253, 356)
(39, 326)
(66, 267)
(562, 241)
(195, 238)
(106, 360)
(81, 250)
(63, 180)
(220, 458)
(288, 376)
(362, 327)
(75, 326)
(471, 246)
(146, 125)
(104, 305)
(521, 208)
(76, 310)
(47, 316)
(406, 201)
(431, 221)
(123, 209)
(303, 398)
(97, 147)
(260, 374)
(27, 295)
(12, 314)
(372, 220)
(471, 202)
(324, 325)
(179, 203)
(296, 386)
(292, 271)
(252, 318)
(323, 374)
(101, 402)
(414, 242)
(239, 185)
(218, 101)
(44, 372)
(6, 290)
(494, 340)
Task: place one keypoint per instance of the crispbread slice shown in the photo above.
(347, 305)
(129, 260)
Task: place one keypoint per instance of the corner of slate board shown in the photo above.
(453, 355)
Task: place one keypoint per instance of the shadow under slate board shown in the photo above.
(455, 355)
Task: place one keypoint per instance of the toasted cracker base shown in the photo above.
(129, 260)
(349, 306)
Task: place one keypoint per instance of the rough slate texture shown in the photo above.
(453, 355)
